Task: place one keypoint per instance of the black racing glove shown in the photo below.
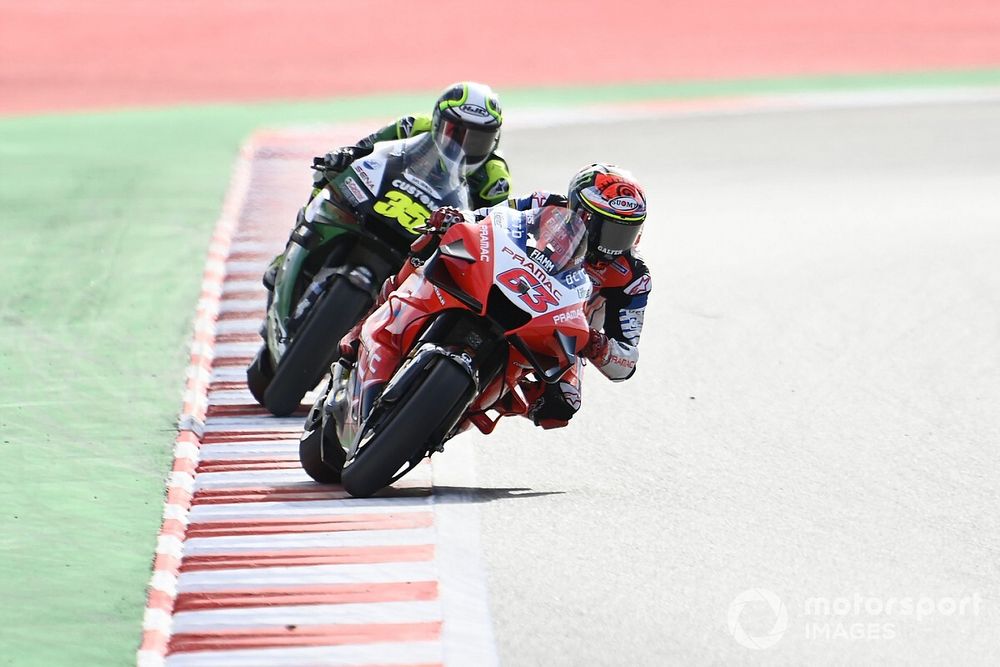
(336, 161)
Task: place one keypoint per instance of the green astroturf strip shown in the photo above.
(105, 220)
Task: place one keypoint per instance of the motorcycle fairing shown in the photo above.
(381, 200)
(545, 341)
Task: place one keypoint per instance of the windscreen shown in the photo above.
(444, 179)
(556, 237)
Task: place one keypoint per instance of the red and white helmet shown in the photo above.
(614, 207)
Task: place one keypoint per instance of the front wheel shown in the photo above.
(406, 434)
(309, 355)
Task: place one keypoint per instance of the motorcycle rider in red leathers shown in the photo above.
(614, 207)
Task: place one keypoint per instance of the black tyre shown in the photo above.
(314, 347)
(310, 458)
(414, 419)
(259, 374)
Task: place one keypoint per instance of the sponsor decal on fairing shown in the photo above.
(484, 243)
(416, 193)
(370, 173)
(398, 206)
(539, 256)
(513, 225)
(437, 293)
(355, 190)
(422, 184)
(569, 316)
(539, 274)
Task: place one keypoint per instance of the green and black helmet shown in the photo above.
(466, 124)
(614, 207)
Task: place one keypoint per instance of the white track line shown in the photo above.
(251, 246)
(236, 349)
(236, 511)
(468, 635)
(253, 617)
(250, 424)
(229, 374)
(236, 286)
(199, 546)
(249, 450)
(241, 480)
(402, 653)
(231, 397)
(242, 305)
(350, 573)
(243, 266)
(237, 326)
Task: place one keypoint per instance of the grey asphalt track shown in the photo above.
(816, 411)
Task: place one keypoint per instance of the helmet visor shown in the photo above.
(612, 238)
(465, 145)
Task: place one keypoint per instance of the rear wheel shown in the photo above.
(412, 422)
(309, 355)
(311, 458)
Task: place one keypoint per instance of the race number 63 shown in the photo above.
(528, 289)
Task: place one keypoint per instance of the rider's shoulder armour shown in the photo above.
(490, 183)
(409, 126)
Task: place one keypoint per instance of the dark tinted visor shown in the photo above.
(456, 141)
(612, 237)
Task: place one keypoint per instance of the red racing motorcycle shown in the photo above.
(498, 307)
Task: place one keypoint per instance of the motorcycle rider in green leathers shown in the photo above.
(458, 116)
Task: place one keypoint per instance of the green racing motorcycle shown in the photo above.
(348, 239)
